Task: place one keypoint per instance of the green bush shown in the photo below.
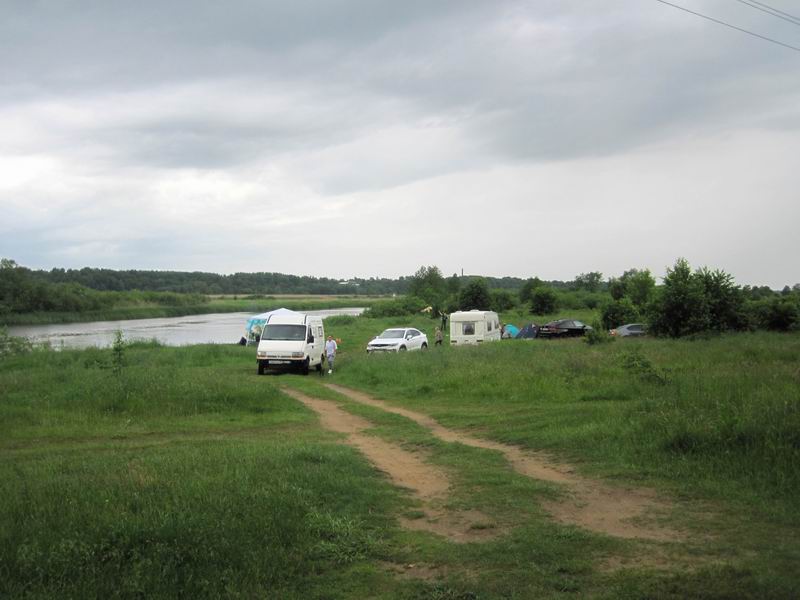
(475, 295)
(776, 313)
(502, 300)
(543, 301)
(398, 307)
(618, 312)
(597, 335)
(11, 345)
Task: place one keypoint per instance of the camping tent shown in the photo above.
(255, 324)
(528, 332)
(510, 331)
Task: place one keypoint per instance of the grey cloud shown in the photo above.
(539, 81)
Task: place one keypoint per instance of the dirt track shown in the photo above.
(428, 484)
(591, 503)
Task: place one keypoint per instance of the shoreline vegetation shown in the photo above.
(249, 304)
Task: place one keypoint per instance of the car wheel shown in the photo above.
(424, 346)
(402, 349)
(260, 369)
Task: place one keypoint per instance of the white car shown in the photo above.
(399, 339)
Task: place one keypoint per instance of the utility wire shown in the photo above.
(775, 10)
(771, 11)
(758, 35)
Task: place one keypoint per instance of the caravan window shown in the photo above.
(490, 325)
(294, 333)
(468, 328)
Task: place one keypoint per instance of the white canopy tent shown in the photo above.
(255, 324)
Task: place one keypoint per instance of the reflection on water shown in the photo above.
(220, 328)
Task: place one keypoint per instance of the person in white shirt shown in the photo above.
(330, 352)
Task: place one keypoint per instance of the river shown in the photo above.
(217, 328)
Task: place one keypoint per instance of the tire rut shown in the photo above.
(430, 485)
(592, 504)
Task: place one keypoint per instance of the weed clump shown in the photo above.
(11, 345)
(637, 363)
(597, 335)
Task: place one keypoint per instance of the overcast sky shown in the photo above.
(366, 138)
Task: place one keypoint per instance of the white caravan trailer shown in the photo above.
(474, 327)
(291, 342)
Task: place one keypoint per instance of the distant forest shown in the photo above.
(196, 282)
(687, 302)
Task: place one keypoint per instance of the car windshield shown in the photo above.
(294, 333)
(392, 333)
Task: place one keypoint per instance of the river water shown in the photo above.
(218, 328)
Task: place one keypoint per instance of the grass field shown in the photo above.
(183, 473)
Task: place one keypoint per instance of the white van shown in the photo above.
(291, 342)
(473, 327)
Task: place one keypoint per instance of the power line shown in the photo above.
(771, 11)
(758, 35)
(775, 10)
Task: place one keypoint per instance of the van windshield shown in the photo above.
(294, 333)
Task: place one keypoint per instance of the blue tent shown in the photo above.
(511, 331)
(528, 332)
(255, 324)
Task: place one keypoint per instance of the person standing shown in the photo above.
(439, 336)
(330, 352)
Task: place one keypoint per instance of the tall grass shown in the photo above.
(718, 416)
(183, 473)
(180, 474)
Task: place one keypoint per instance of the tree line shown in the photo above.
(689, 302)
(21, 291)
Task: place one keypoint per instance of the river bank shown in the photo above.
(209, 328)
(213, 306)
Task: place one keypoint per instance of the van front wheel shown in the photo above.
(260, 368)
(304, 369)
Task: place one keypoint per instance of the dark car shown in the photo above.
(563, 328)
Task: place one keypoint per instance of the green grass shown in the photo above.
(185, 474)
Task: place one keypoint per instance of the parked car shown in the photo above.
(629, 330)
(563, 328)
(398, 339)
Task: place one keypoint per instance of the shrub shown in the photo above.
(475, 295)
(11, 345)
(398, 307)
(543, 301)
(618, 312)
(680, 307)
(502, 300)
(597, 335)
(776, 313)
